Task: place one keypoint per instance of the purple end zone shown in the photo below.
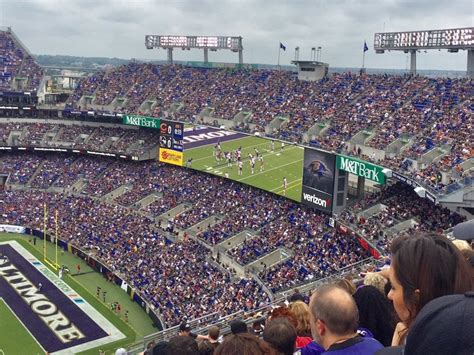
(35, 324)
(205, 136)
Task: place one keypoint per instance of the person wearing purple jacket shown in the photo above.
(334, 321)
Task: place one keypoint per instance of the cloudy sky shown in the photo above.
(116, 28)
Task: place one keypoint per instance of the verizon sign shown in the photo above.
(318, 179)
(316, 199)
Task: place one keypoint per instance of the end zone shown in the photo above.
(58, 318)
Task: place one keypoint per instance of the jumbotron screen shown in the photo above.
(432, 39)
(224, 42)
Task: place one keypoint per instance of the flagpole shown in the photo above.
(363, 60)
(279, 50)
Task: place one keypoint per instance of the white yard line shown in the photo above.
(114, 333)
(266, 171)
(23, 324)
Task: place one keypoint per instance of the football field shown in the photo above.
(12, 330)
(278, 163)
(42, 315)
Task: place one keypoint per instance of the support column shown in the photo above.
(170, 55)
(206, 55)
(470, 64)
(241, 57)
(360, 187)
(413, 61)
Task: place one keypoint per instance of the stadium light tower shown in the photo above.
(205, 43)
(410, 42)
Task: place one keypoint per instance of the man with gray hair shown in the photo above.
(334, 320)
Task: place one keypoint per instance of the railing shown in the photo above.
(455, 186)
(249, 316)
(305, 288)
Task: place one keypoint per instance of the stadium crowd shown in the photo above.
(105, 139)
(398, 203)
(316, 250)
(415, 302)
(16, 62)
(410, 305)
(426, 113)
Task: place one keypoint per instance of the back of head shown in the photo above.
(375, 313)
(376, 280)
(336, 307)
(296, 296)
(161, 348)
(462, 244)
(205, 347)
(238, 326)
(183, 345)
(281, 335)
(347, 285)
(284, 312)
(432, 265)
(214, 332)
(242, 344)
(300, 311)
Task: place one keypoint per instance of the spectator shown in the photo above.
(376, 280)
(461, 244)
(211, 342)
(285, 312)
(443, 326)
(424, 267)
(464, 231)
(334, 321)
(183, 345)
(296, 296)
(375, 313)
(243, 344)
(237, 327)
(347, 285)
(281, 335)
(300, 311)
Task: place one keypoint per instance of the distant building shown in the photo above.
(310, 70)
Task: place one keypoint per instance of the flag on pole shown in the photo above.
(365, 47)
(282, 46)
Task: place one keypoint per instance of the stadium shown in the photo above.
(144, 200)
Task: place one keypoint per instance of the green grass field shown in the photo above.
(85, 284)
(277, 164)
(13, 334)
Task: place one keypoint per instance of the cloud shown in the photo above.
(116, 28)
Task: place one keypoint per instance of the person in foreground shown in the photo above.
(444, 326)
(334, 321)
(424, 267)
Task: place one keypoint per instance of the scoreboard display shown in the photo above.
(217, 42)
(171, 135)
(457, 38)
(171, 142)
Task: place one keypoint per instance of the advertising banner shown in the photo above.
(361, 168)
(318, 179)
(141, 121)
(171, 156)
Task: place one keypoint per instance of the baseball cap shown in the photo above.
(184, 327)
(444, 326)
(464, 230)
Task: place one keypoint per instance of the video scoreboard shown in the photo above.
(171, 142)
(220, 42)
(460, 38)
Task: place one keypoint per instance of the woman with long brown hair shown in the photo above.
(424, 267)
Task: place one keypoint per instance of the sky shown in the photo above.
(116, 28)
